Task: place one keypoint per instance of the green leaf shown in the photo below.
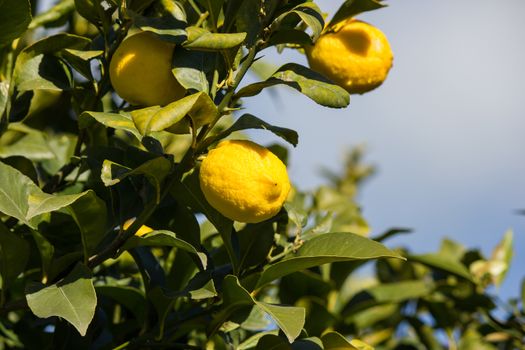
(14, 255)
(443, 263)
(56, 16)
(73, 299)
(131, 298)
(15, 16)
(47, 252)
(255, 243)
(155, 171)
(37, 67)
(190, 68)
(110, 120)
(350, 8)
(502, 255)
(202, 39)
(214, 9)
(335, 341)
(523, 293)
(327, 248)
(29, 143)
(290, 319)
(304, 80)
(167, 239)
(90, 214)
(80, 60)
(248, 121)
(309, 13)
(22, 199)
(198, 106)
(166, 28)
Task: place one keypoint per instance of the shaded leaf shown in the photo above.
(304, 80)
(290, 319)
(14, 255)
(248, 121)
(166, 28)
(327, 248)
(350, 8)
(73, 299)
(165, 238)
(15, 16)
(310, 14)
(190, 68)
(335, 341)
(131, 298)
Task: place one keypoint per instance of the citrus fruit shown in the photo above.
(141, 231)
(140, 71)
(354, 54)
(244, 181)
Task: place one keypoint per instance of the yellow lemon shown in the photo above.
(140, 71)
(355, 55)
(141, 231)
(244, 181)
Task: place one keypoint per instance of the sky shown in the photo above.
(446, 129)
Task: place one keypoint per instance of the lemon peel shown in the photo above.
(140, 71)
(353, 54)
(244, 181)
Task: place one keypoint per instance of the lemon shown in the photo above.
(141, 231)
(140, 71)
(244, 181)
(355, 55)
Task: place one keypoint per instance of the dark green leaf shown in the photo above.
(164, 238)
(304, 80)
(47, 252)
(201, 39)
(248, 121)
(89, 212)
(255, 242)
(335, 341)
(350, 8)
(73, 299)
(290, 319)
(80, 60)
(327, 248)
(155, 171)
(131, 298)
(14, 255)
(55, 16)
(15, 16)
(290, 36)
(166, 28)
(310, 14)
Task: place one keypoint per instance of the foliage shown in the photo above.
(77, 162)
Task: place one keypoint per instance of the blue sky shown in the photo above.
(446, 129)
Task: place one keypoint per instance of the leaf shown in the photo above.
(248, 121)
(111, 120)
(22, 199)
(15, 16)
(198, 106)
(310, 14)
(335, 341)
(55, 16)
(327, 248)
(47, 251)
(304, 80)
(190, 68)
(350, 8)
(202, 39)
(155, 170)
(165, 238)
(131, 298)
(443, 263)
(14, 255)
(166, 28)
(290, 319)
(80, 60)
(36, 66)
(73, 299)
(90, 214)
(502, 254)
(214, 9)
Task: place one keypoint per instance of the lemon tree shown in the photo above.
(135, 214)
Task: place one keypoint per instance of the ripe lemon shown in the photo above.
(244, 181)
(141, 231)
(140, 71)
(355, 55)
